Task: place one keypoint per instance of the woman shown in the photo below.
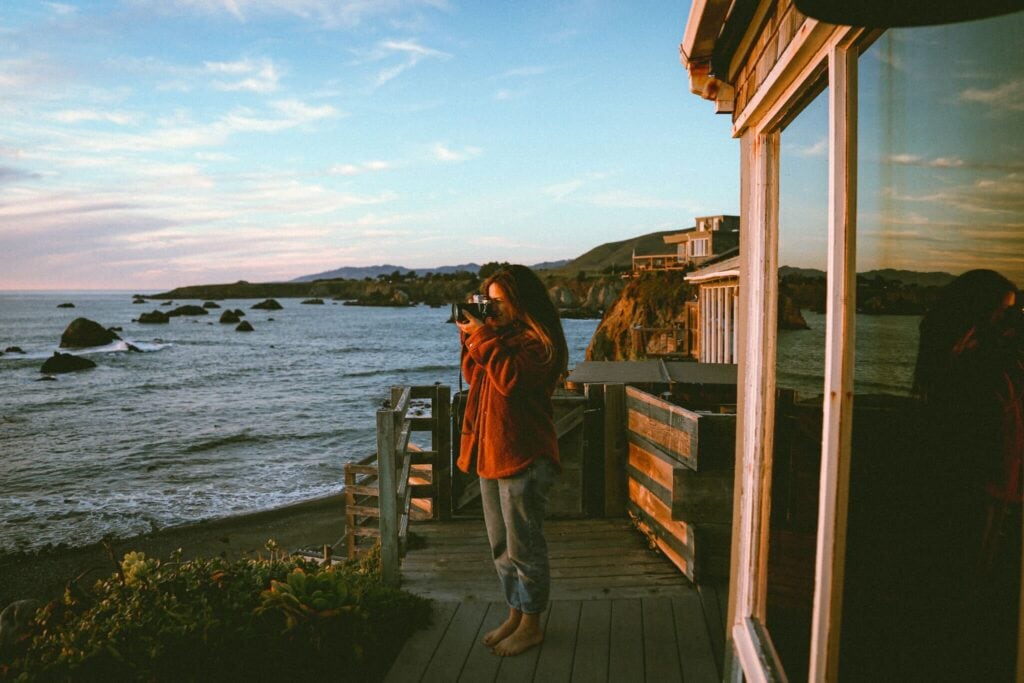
(513, 360)
(969, 378)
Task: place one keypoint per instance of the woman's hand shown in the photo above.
(471, 325)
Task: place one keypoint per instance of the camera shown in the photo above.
(479, 306)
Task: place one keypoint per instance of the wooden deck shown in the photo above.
(619, 611)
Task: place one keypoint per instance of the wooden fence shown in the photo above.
(413, 480)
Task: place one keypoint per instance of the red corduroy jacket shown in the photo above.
(509, 420)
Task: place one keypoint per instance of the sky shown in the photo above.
(148, 144)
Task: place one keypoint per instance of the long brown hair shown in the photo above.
(530, 303)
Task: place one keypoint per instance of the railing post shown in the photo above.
(442, 446)
(615, 488)
(388, 502)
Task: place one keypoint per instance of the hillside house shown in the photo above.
(711, 236)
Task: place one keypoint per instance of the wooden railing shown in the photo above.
(658, 262)
(383, 489)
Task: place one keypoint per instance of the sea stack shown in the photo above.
(268, 305)
(82, 333)
(65, 362)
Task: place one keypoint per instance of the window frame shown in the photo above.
(818, 51)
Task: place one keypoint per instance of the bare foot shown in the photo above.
(526, 635)
(506, 629)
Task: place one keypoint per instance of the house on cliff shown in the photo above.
(711, 236)
(864, 141)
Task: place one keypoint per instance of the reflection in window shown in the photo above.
(796, 459)
(940, 191)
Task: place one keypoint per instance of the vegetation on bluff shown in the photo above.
(278, 618)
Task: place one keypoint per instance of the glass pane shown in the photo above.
(940, 192)
(803, 232)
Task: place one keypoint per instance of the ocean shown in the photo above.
(208, 422)
(205, 422)
(884, 357)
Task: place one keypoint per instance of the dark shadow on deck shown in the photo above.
(619, 611)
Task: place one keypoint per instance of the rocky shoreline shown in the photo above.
(43, 575)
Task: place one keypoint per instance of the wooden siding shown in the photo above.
(763, 49)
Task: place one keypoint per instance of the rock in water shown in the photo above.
(65, 362)
(188, 310)
(315, 302)
(229, 317)
(66, 305)
(268, 305)
(211, 304)
(13, 349)
(244, 326)
(154, 317)
(790, 317)
(83, 332)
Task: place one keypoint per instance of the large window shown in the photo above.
(940, 183)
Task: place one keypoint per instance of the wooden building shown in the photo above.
(711, 236)
(776, 70)
(712, 318)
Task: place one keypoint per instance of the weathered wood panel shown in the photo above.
(701, 441)
(679, 467)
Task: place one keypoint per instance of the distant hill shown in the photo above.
(911, 277)
(907, 277)
(360, 272)
(618, 254)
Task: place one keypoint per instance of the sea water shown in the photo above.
(203, 421)
(206, 422)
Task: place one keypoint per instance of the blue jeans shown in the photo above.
(514, 515)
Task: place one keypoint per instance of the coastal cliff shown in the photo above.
(652, 300)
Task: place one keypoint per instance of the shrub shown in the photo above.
(212, 619)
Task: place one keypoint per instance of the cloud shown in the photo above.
(412, 53)
(525, 71)
(10, 175)
(329, 13)
(259, 76)
(62, 9)
(815, 149)
(951, 162)
(560, 191)
(359, 169)
(445, 154)
(1008, 96)
(78, 115)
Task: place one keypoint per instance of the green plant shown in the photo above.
(205, 619)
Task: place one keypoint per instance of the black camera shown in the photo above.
(479, 306)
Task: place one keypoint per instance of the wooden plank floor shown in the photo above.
(619, 611)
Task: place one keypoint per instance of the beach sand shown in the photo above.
(309, 524)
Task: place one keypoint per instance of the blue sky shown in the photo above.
(153, 143)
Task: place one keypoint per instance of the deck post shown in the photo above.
(614, 450)
(442, 446)
(388, 501)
